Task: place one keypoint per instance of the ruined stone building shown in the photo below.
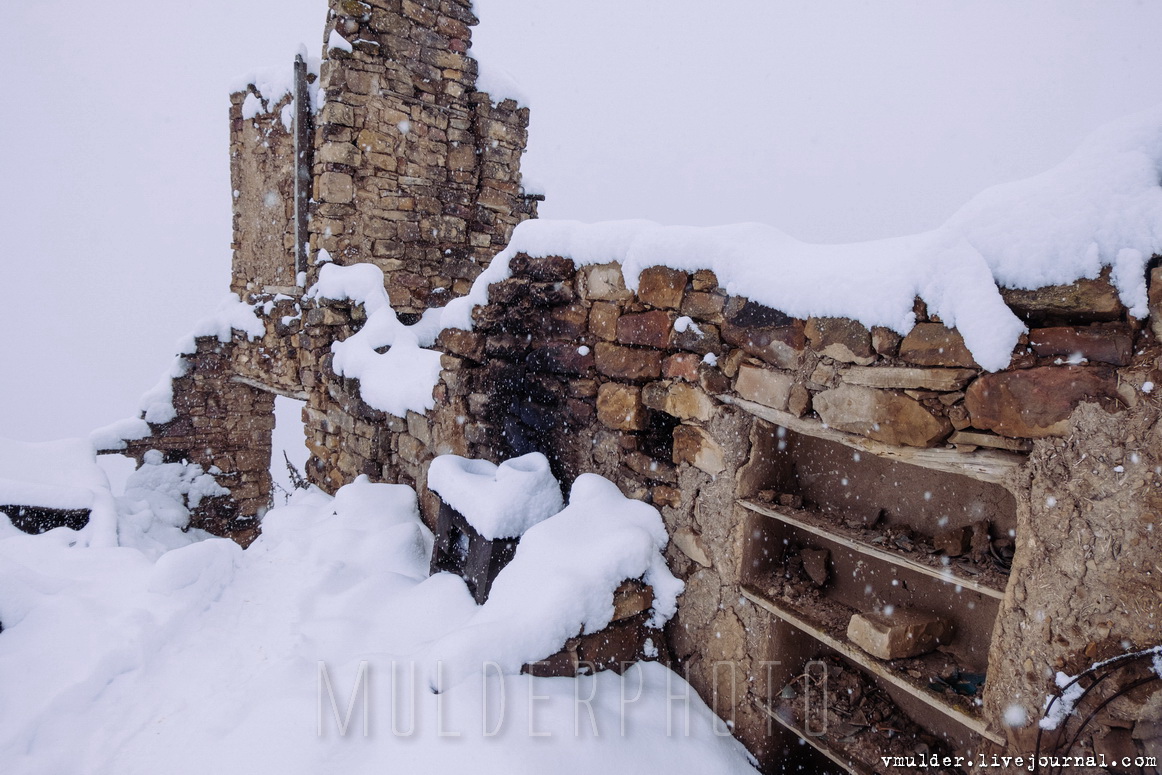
(1011, 516)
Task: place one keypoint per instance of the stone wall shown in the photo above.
(223, 425)
(262, 182)
(687, 397)
(415, 171)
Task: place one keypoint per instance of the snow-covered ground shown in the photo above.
(317, 649)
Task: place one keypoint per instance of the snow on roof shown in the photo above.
(499, 501)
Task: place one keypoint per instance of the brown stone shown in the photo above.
(627, 362)
(690, 543)
(953, 542)
(704, 280)
(543, 269)
(958, 416)
(904, 633)
(883, 415)
(764, 386)
(678, 399)
(660, 286)
(620, 407)
(603, 282)
(603, 320)
(695, 446)
(339, 153)
(681, 366)
(902, 377)
(561, 358)
(778, 345)
(648, 467)
(663, 495)
(1081, 302)
(648, 329)
(1105, 345)
(885, 341)
(335, 187)
(631, 599)
(843, 339)
(703, 306)
(799, 400)
(1035, 403)
(815, 565)
(934, 344)
(569, 321)
(466, 344)
(712, 380)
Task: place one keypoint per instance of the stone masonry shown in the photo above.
(416, 171)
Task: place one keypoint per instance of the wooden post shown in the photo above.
(302, 130)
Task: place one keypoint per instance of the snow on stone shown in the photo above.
(232, 313)
(206, 658)
(1100, 207)
(499, 501)
(251, 106)
(561, 582)
(114, 435)
(500, 84)
(335, 40)
(275, 82)
(394, 381)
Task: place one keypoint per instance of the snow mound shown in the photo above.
(561, 582)
(498, 501)
(209, 658)
(394, 381)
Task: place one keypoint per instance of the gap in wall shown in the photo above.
(288, 438)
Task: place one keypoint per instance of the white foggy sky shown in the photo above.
(836, 122)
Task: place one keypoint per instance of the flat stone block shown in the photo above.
(902, 377)
(663, 287)
(620, 407)
(1035, 403)
(764, 386)
(883, 415)
(903, 633)
(934, 344)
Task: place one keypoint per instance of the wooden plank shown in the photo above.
(871, 664)
(947, 575)
(986, 465)
(848, 764)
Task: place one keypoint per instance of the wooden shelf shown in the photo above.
(986, 465)
(820, 744)
(791, 614)
(813, 523)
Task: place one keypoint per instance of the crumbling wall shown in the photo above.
(262, 181)
(415, 170)
(224, 426)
